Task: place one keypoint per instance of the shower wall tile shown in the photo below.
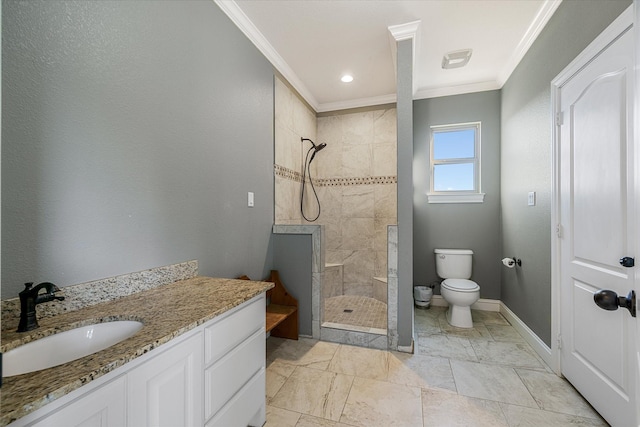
(381, 224)
(329, 162)
(293, 121)
(379, 289)
(288, 150)
(331, 198)
(332, 281)
(333, 229)
(286, 204)
(385, 159)
(330, 132)
(304, 121)
(357, 128)
(386, 201)
(335, 256)
(359, 267)
(283, 104)
(311, 207)
(380, 264)
(357, 233)
(358, 201)
(384, 126)
(357, 160)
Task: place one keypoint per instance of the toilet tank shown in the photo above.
(453, 263)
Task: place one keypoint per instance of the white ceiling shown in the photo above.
(313, 43)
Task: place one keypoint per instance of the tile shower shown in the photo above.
(355, 178)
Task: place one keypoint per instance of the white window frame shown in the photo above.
(473, 196)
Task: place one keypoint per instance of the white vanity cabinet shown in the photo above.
(235, 368)
(102, 407)
(213, 375)
(166, 391)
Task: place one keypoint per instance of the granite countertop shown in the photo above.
(167, 312)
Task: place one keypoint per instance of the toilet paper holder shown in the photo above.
(511, 262)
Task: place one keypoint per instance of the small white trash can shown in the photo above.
(422, 296)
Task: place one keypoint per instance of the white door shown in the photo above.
(597, 218)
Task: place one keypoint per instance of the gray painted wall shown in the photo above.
(526, 155)
(473, 226)
(292, 258)
(405, 192)
(132, 132)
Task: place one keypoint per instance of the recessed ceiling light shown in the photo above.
(456, 59)
(347, 78)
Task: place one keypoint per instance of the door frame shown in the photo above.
(636, 141)
(621, 23)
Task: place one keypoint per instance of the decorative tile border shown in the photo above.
(368, 180)
(99, 291)
(287, 173)
(296, 176)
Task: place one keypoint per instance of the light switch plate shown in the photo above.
(531, 200)
(250, 199)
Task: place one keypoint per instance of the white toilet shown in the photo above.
(454, 265)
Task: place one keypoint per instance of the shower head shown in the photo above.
(315, 147)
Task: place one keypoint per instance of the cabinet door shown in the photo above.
(167, 389)
(102, 407)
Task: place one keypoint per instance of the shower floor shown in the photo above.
(355, 313)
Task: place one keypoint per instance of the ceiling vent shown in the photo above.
(456, 59)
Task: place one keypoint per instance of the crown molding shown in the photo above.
(456, 90)
(357, 103)
(242, 21)
(405, 31)
(401, 32)
(545, 13)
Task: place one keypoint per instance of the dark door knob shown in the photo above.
(609, 300)
(627, 261)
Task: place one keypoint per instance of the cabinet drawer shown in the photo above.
(246, 408)
(229, 374)
(230, 331)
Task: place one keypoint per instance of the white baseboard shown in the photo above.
(528, 335)
(438, 301)
(482, 304)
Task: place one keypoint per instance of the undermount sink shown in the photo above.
(66, 346)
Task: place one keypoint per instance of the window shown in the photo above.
(455, 164)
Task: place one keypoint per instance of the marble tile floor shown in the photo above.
(485, 376)
(363, 313)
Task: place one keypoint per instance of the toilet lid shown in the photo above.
(460, 285)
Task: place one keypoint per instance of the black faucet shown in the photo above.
(29, 298)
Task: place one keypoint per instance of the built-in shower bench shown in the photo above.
(282, 309)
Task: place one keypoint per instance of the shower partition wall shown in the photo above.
(355, 177)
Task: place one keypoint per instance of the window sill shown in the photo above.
(456, 198)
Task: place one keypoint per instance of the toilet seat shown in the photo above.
(460, 285)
